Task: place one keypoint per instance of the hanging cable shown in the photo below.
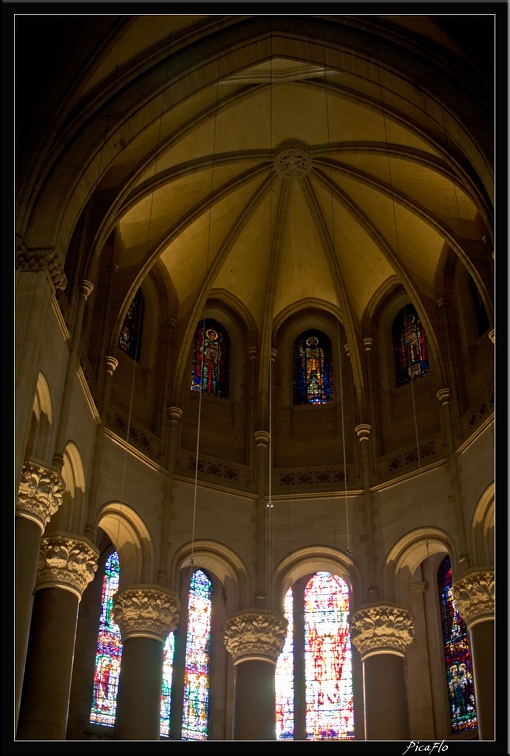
(138, 332)
(269, 505)
(202, 347)
(397, 250)
(339, 346)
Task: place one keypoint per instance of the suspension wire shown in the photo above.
(397, 245)
(139, 325)
(202, 356)
(269, 506)
(339, 346)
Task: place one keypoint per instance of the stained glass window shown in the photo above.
(166, 689)
(313, 681)
(481, 317)
(211, 354)
(328, 668)
(410, 346)
(461, 694)
(284, 678)
(129, 333)
(313, 372)
(109, 651)
(196, 667)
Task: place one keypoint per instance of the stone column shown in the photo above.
(66, 566)
(255, 639)
(381, 633)
(145, 616)
(39, 496)
(174, 418)
(38, 275)
(474, 598)
(363, 432)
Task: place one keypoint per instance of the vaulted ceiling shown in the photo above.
(281, 161)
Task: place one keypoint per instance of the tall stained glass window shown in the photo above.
(313, 683)
(410, 346)
(461, 694)
(109, 651)
(196, 667)
(211, 354)
(328, 669)
(130, 332)
(166, 689)
(284, 678)
(313, 372)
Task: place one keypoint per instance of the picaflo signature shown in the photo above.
(415, 746)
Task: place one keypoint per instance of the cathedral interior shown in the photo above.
(254, 377)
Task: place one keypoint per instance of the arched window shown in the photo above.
(109, 651)
(456, 655)
(166, 689)
(316, 702)
(313, 371)
(196, 667)
(481, 317)
(410, 346)
(211, 354)
(129, 339)
(195, 709)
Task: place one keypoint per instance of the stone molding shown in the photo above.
(381, 628)
(45, 259)
(40, 493)
(110, 364)
(66, 562)
(174, 414)
(474, 596)
(261, 438)
(444, 396)
(255, 635)
(147, 611)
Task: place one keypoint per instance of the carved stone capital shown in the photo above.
(85, 288)
(110, 364)
(368, 343)
(46, 259)
(66, 562)
(255, 635)
(261, 438)
(492, 335)
(444, 396)
(381, 628)
(363, 431)
(252, 352)
(174, 414)
(474, 596)
(147, 611)
(39, 494)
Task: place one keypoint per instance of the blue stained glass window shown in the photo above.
(459, 677)
(313, 371)
(109, 651)
(328, 666)
(166, 689)
(196, 668)
(410, 346)
(284, 678)
(211, 355)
